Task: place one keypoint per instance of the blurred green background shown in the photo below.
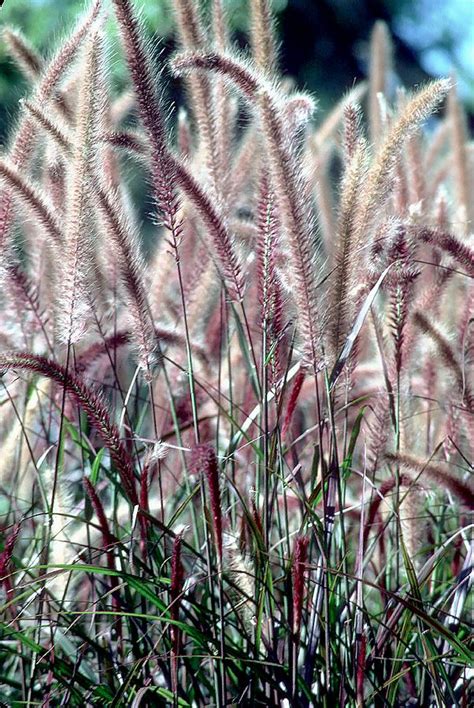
(324, 42)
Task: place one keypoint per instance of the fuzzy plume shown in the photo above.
(23, 143)
(448, 356)
(25, 55)
(72, 301)
(204, 461)
(90, 403)
(53, 125)
(5, 559)
(380, 176)
(438, 475)
(345, 274)
(295, 211)
(262, 36)
(124, 241)
(193, 37)
(298, 574)
(270, 294)
(225, 289)
(221, 239)
(176, 592)
(461, 170)
(144, 81)
(31, 197)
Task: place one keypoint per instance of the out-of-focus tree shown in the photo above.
(326, 42)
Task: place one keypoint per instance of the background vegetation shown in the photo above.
(431, 39)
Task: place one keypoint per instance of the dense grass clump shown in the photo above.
(235, 471)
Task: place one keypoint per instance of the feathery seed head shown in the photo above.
(300, 554)
(204, 462)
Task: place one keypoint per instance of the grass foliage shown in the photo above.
(235, 464)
